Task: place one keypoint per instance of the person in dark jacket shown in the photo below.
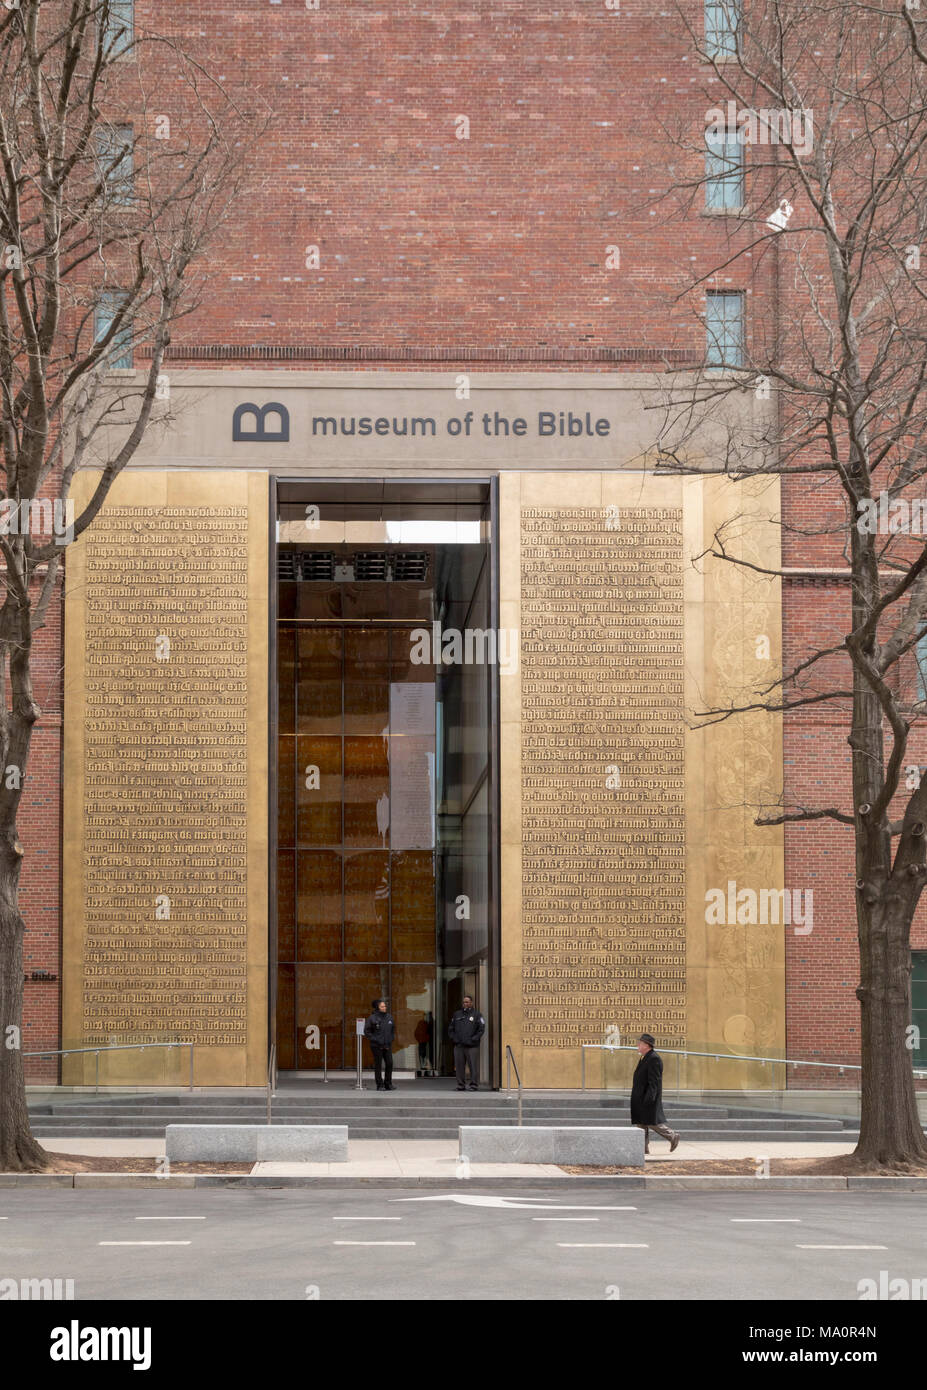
(379, 1030)
(465, 1030)
(647, 1094)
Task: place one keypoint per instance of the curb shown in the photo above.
(638, 1183)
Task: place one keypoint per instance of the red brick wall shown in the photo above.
(442, 252)
(822, 968)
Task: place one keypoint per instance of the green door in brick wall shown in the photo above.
(919, 1005)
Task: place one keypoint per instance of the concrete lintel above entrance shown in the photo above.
(348, 424)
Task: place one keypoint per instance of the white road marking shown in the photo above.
(144, 1242)
(564, 1218)
(170, 1218)
(510, 1203)
(373, 1242)
(600, 1245)
(366, 1218)
(764, 1220)
(841, 1247)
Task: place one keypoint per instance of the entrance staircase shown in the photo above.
(415, 1110)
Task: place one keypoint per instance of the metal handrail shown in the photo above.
(678, 1052)
(509, 1064)
(113, 1047)
(271, 1077)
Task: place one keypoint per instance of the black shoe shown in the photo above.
(389, 1088)
(473, 1088)
(461, 1088)
(379, 1088)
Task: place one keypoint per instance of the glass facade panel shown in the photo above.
(319, 905)
(384, 826)
(319, 991)
(319, 784)
(366, 905)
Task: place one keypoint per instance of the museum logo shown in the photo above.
(747, 907)
(475, 646)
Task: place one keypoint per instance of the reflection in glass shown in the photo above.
(318, 1004)
(319, 905)
(318, 791)
(319, 688)
(366, 905)
(366, 792)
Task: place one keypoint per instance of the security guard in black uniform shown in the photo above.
(379, 1030)
(465, 1030)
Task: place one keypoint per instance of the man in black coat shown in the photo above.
(465, 1030)
(379, 1030)
(647, 1094)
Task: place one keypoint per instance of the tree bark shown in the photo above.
(891, 1135)
(19, 1151)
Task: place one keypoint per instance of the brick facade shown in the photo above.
(439, 252)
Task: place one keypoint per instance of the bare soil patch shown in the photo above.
(838, 1166)
(101, 1163)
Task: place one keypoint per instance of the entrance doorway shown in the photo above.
(386, 777)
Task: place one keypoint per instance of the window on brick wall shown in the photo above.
(724, 171)
(120, 25)
(115, 161)
(722, 19)
(724, 328)
(119, 354)
(919, 1005)
(920, 656)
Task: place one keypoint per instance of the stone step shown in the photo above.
(346, 1115)
(119, 1124)
(445, 1132)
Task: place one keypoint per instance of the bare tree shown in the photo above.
(108, 201)
(812, 148)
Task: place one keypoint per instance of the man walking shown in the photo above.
(647, 1094)
(379, 1030)
(465, 1030)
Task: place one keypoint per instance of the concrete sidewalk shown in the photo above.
(438, 1158)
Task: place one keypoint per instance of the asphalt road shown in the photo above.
(411, 1245)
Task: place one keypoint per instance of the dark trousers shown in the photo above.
(464, 1057)
(382, 1061)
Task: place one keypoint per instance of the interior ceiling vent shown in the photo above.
(411, 566)
(287, 568)
(316, 564)
(364, 566)
(371, 565)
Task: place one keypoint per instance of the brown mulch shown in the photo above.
(841, 1165)
(101, 1163)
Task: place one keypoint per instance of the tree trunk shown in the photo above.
(891, 1135)
(19, 1152)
